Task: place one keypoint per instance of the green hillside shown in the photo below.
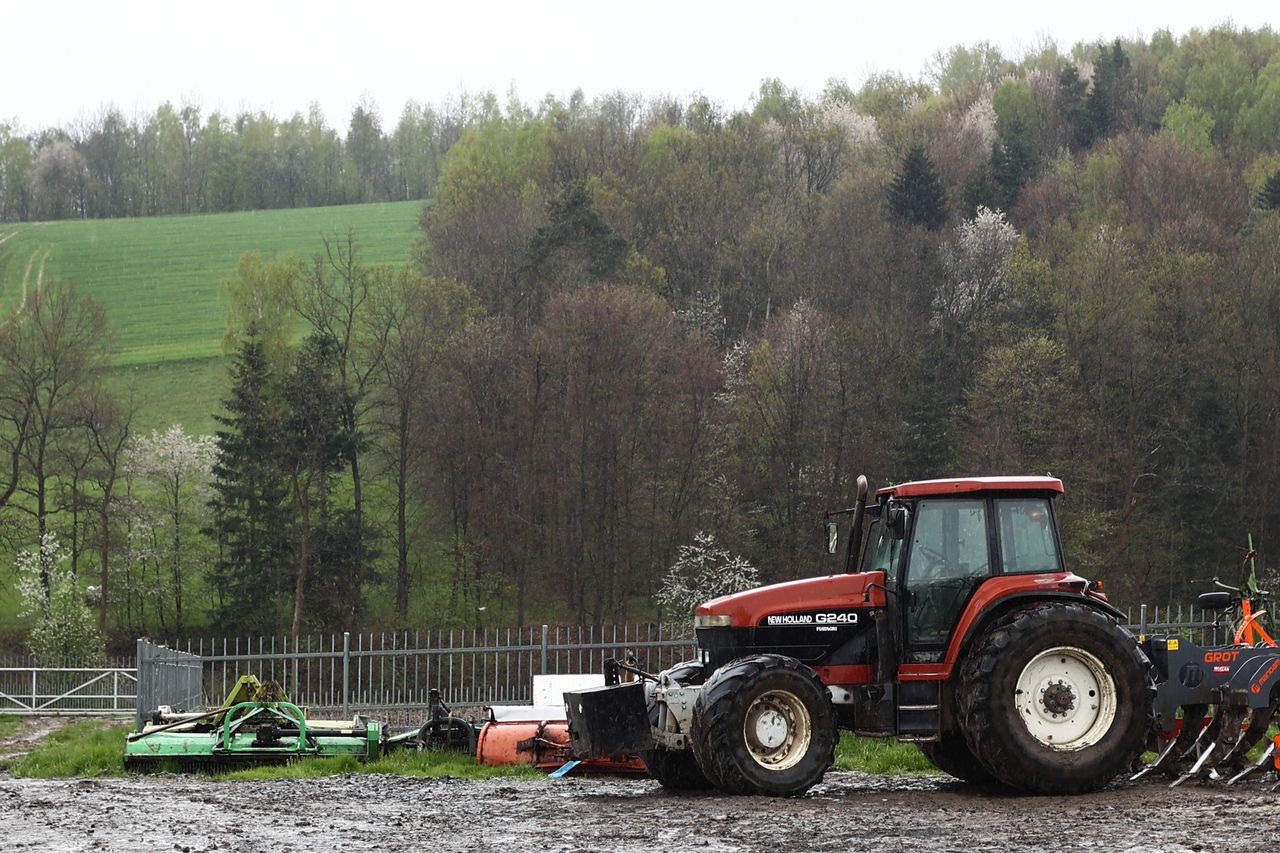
(158, 278)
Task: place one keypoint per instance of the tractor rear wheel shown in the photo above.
(676, 769)
(951, 755)
(1056, 698)
(764, 724)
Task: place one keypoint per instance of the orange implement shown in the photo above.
(543, 743)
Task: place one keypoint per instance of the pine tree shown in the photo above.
(250, 513)
(916, 195)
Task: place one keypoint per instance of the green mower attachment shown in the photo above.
(256, 725)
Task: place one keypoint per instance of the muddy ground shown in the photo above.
(850, 811)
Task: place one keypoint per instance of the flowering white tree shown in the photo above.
(976, 264)
(65, 631)
(173, 471)
(704, 570)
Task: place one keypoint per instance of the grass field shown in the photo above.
(159, 278)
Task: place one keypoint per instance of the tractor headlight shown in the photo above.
(718, 621)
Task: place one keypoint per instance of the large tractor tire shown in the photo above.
(1056, 698)
(951, 755)
(764, 725)
(676, 769)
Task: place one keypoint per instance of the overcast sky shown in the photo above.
(64, 59)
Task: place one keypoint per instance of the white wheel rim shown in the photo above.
(1066, 698)
(777, 730)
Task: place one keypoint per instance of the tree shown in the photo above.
(784, 395)
(175, 469)
(107, 423)
(975, 262)
(916, 195)
(261, 297)
(1109, 105)
(53, 351)
(967, 69)
(704, 570)
(315, 444)
(416, 321)
(333, 298)
(370, 152)
(250, 515)
(64, 632)
(623, 396)
(1269, 195)
(59, 181)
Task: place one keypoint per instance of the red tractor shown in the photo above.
(954, 625)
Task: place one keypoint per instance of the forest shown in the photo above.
(643, 332)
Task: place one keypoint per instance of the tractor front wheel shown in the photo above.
(1056, 698)
(764, 724)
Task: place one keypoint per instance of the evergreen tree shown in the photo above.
(916, 195)
(1012, 165)
(250, 511)
(1073, 94)
(1269, 195)
(315, 446)
(1107, 105)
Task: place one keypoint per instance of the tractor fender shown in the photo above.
(1006, 603)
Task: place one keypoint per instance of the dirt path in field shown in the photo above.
(30, 731)
(26, 278)
(850, 811)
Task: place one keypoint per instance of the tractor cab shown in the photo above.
(938, 541)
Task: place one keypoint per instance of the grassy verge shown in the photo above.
(96, 748)
(92, 748)
(884, 756)
(9, 724)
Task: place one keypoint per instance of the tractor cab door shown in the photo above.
(948, 556)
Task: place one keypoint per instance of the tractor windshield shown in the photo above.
(1027, 543)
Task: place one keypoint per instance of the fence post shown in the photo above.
(144, 682)
(346, 673)
(1142, 621)
(544, 649)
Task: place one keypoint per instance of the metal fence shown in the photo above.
(1202, 627)
(167, 676)
(379, 671)
(49, 691)
(372, 671)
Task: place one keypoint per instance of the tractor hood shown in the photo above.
(834, 593)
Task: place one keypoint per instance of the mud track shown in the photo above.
(849, 812)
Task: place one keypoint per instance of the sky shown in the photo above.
(64, 60)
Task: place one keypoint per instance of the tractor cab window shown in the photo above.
(884, 554)
(948, 558)
(1027, 543)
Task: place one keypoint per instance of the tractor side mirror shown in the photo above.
(899, 521)
(833, 536)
